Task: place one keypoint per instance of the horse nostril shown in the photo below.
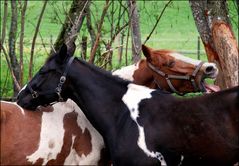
(209, 70)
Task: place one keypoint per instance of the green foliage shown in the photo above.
(176, 30)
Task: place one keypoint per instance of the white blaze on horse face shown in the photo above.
(96, 141)
(183, 58)
(52, 134)
(127, 72)
(195, 62)
(134, 95)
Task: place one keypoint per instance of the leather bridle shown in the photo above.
(58, 89)
(168, 77)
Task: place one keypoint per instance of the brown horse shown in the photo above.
(170, 71)
(55, 135)
(61, 134)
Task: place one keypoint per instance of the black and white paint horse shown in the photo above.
(142, 126)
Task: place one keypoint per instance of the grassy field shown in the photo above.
(176, 30)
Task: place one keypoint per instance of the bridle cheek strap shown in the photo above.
(58, 89)
(168, 78)
(62, 80)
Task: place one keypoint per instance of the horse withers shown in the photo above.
(142, 126)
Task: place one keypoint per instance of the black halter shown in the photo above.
(191, 78)
(59, 86)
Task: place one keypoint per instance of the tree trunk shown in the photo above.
(83, 47)
(23, 12)
(135, 30)
(12, 44)
(72, 25)
(4, 21)
(214, 26)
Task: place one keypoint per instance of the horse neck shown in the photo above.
(96, 93)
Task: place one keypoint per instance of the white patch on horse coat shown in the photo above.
(96, 141)
(127, 72)
(132, 98)
(52, 132)
(18, 106)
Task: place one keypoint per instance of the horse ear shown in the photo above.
(71, 49)
(62, 53)
(147, 52)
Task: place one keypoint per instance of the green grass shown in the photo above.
(176, 30)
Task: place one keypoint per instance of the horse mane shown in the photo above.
(94, 68)
(104, 73)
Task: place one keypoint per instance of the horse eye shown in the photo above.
(171, 64)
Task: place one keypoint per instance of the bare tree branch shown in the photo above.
(34, 39)
(166, 5)
(16, 83)
(92, 55)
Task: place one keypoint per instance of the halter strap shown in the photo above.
(63, 79)
(191, 78)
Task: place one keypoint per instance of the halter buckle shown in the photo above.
(34, 94)
(62, 79)
(58, 90)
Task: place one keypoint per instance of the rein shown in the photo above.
(58, 89)
(168, 77)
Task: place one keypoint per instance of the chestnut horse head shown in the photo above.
(173, 72)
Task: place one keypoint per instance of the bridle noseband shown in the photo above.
(191, 78)
(58, 89)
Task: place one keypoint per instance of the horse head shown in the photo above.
(50, 84)
(174, 72)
